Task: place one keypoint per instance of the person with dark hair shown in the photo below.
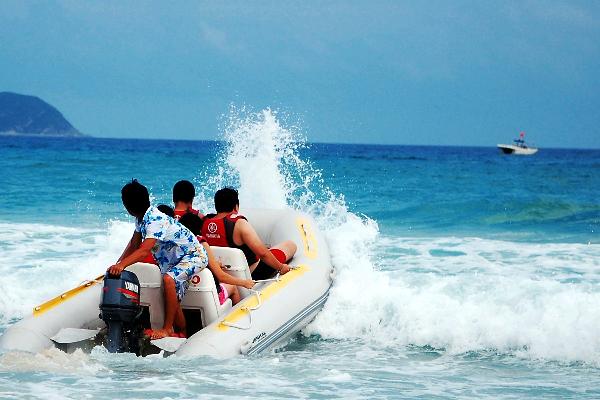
(229, 229)
(225, 283)
(183, 198)
(177, 251)
(226, 200)
(167, 210)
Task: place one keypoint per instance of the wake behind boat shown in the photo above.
(519, 148)
(270, 313)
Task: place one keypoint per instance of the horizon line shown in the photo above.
(87, 136)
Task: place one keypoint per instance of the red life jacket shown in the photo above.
(219, 232)
(181, 213)
(217, 283)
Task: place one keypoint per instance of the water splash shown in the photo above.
(262, 157)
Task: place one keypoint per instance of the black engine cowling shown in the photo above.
(120, 309)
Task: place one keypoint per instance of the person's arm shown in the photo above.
(222, 276)
(251, 239)
(134, 244)
(137, 255)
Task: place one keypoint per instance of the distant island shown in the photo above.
(30, 115)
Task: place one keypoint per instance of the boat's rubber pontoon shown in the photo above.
(268, 314)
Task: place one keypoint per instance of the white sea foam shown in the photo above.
(41, 261)
(336, 376)
(51, 360)
(522, 301)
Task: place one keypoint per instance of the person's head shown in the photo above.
(192, 222)
(135, 198)
(226, 200)
(184, 192)
(165, 209)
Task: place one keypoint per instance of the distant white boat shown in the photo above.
(519, 148)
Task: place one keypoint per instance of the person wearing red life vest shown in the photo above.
(183, 198)
(226, 284)
(227, 228)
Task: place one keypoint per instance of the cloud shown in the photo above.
(214, 37)
(220, 40)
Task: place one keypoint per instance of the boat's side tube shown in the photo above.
(77, 308)
(281, 307)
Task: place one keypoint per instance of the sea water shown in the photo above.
(459, 272)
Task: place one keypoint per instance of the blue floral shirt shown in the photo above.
(174, 242)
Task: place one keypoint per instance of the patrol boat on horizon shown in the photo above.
(519, 148)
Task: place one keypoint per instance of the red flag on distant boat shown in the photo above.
(522, 134)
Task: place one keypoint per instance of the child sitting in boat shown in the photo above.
(176, 249)
(229, 229)
(183, 198)
(226, 284)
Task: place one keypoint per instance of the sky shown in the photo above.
(389, 72)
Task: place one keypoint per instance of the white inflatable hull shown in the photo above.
(266, 317)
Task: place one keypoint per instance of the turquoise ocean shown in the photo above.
(459, 272)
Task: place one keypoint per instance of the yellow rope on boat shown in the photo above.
(42, 308)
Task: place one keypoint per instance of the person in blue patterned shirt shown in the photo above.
(177, 251)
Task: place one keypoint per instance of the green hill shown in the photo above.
(20, 114)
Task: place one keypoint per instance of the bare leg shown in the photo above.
(180, 321)
(234, 293)
(288, 247)
(171, 306)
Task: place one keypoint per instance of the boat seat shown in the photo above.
(235, 264)
(202, 295)
(151, 291)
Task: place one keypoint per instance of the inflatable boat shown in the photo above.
(269, 314)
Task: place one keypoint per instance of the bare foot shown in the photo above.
(161, 333)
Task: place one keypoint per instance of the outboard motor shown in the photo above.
(121, 310)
